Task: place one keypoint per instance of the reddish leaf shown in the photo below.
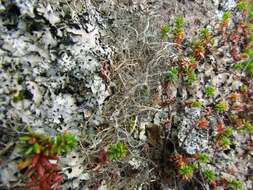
(35, 160)
(102, 157)
(203, 123)
(40, 170)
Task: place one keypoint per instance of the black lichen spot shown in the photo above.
(11, 17)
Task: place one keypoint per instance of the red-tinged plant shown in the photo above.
(43, 174)
(198, 50)
(179, 160)
(220, 127)
(235, 53)
(178, 31)
(234, 96)
(225, 21)
(203, 123)
(235, 38)
(40, 151)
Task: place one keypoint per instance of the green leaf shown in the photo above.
(25, 138)
(36, 148)
(29, 150)
(204, 158)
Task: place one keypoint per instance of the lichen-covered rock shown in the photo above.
(191, 138)
(50, 61)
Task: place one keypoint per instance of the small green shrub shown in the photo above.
(164, 31)
(186, 171)
(172, 75)
(191, 76)
(225, 142)
(209, 175)
(117, 151)
(197, 104)
(241, 6)
(210, 91)
(235, 184)
(226, 16)
(203, 158)
(221, 107)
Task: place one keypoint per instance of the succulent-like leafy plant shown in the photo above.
(191, 76)
(210, 91)
(117, 151)
(186, 171)
(178, 31)
(209, 175)
(203, 158)
(164, 31)
(221, 107)
(197, 104)
(172, 75)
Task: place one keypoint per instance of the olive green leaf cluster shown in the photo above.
(35, 143)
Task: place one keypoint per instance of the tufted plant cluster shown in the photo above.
(40, 153)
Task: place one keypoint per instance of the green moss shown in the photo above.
(221, 107)
(209, 175)
(186, 171)
(117, 151)
(197, 104)
(225, 142)
(210, 91)
(203, 158)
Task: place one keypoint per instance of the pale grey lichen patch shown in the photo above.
(191, 138)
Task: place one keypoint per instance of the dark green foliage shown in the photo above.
(209, 175)
(172, 75)
(203, 158)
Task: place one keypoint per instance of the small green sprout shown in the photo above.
(172, 75)
(241, 6)
(235, 184)
(191, 76)
(209, 91)
(203, 158)
(178, 30)
(192, 60)
(117, 151)
(248, 127)
(226, 16)
(225, 142)
(197, 104)
(209, 175)
(186, 171)
(164, 31)
(221, 107)
(179, 22)
(228, 132)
